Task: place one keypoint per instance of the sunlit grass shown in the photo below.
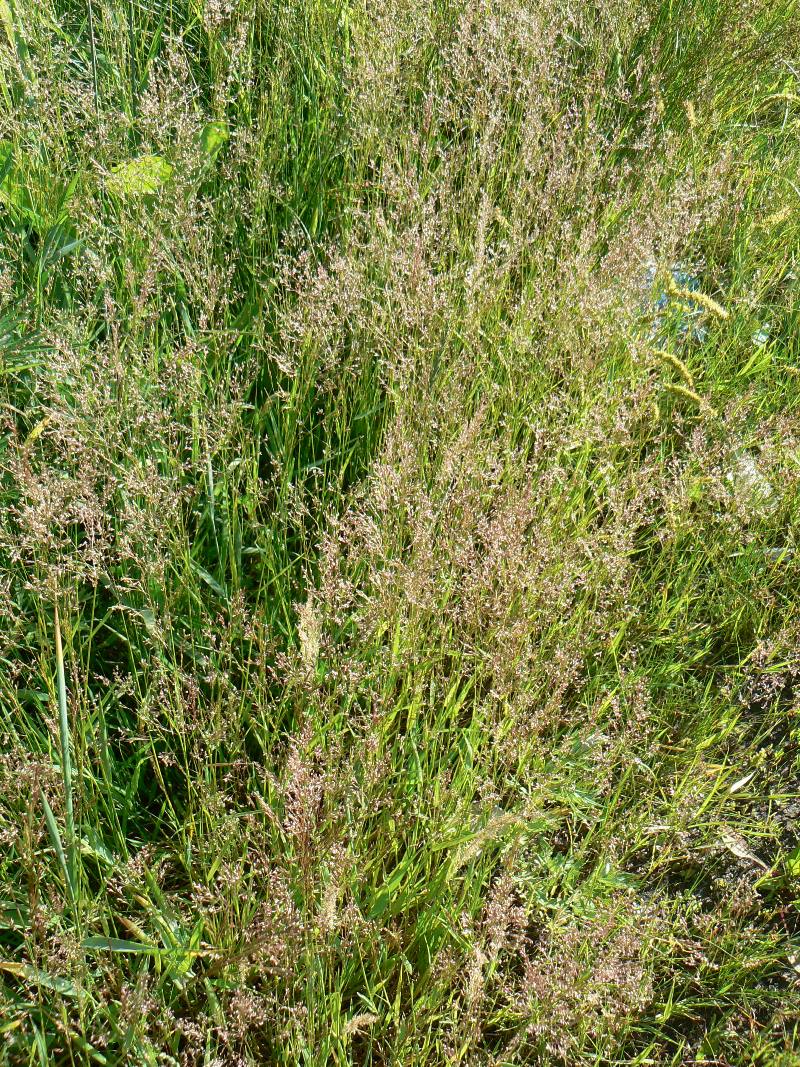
(398, 466)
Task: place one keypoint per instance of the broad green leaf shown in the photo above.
(213, 137)
(139, 177)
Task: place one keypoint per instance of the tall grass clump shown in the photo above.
(399, 453)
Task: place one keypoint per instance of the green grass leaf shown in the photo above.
(58, 846)
(116, 944)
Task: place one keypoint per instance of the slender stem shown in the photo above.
(132, 57)
(63, 728)
(93, 46)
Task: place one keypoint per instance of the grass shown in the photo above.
(398, 503)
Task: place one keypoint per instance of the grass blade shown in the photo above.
(58, 845)
(66, 760)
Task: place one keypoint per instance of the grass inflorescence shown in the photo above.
(399, 452)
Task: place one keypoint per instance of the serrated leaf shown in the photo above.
(139, 177)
